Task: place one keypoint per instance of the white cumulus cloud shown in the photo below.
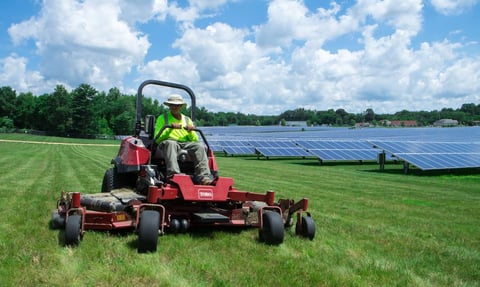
(82, 42)
(351, 55)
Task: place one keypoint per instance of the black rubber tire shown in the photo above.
(308, 228)
(58, 221)
(273, 230)
(184, 225)
(73, 233)
(110, 180)
(148, 231)
(174, 226)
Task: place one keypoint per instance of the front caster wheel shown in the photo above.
(306, 228)
(272, 231)
(148, 231)
(73, 230)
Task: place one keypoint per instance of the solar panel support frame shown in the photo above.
(381, 160)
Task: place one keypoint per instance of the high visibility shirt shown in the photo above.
(181, 135)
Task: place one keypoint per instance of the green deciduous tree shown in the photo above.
(7, 102)
(82, 112)
(6, 125)
(85, 111)
(25, 111)
(60, 118)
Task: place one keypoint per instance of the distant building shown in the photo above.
(385, 123)
(402, 123)
(445, 123)
(362, 125)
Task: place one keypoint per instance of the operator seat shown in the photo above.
(149, 132)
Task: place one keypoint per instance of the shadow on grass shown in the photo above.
(287, 160)
(412, 171)
(208, 232)
(61, 232)
(274, 158)
(337, 163)
(310, 161)
(56, 226)
(390, 167)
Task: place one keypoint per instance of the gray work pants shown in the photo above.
(196, 152)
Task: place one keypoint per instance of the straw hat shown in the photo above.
(174, 99)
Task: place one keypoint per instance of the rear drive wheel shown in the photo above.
(307, 229)
(110, 180)
(73, 232)
(148, 231)
(273, 230)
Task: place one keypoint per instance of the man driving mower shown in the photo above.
(180, 135)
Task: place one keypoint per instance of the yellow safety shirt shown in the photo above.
(180, 135)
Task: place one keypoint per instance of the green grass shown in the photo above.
(373, 228)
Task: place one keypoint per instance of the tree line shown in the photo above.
(84, 111)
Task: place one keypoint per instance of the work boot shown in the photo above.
(206, 181)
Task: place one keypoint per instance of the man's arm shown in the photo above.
(192, 135)
(158, 126)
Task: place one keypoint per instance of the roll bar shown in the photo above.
(138, 120)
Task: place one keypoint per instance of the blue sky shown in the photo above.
(251, 56)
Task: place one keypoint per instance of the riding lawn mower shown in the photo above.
(137, 195)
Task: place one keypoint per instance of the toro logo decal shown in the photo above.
(205, 194)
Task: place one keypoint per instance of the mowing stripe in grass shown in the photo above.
(373, 228)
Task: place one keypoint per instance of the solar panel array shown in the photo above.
(279, 148)
(233, 147)
(215, 146)
(335, 150)
(340, 150)
(425, 148)
(434, 155)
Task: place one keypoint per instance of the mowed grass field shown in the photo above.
(373, 228)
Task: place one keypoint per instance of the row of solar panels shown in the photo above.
(434, 155)
(324, 150)
(424, 155)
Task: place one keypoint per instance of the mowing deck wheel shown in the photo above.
(273, 230)
(73, 233)
(148, 231)
(306, 228)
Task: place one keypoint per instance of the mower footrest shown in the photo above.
(210, 217)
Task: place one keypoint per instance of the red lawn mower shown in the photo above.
(137, 195)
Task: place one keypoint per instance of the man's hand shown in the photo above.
(190, 128)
